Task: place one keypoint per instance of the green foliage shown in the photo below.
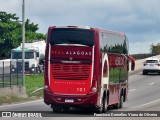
(155, 49)
(34, 82)
(11, 33)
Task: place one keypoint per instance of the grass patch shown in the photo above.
(8, 99)
(32, 83)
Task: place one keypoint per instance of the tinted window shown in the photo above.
(113, 43)
(114, 75)
(152, 61)
(72, 36)
(18, 55)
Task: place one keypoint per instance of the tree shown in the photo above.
(155, 49)
(11, 32)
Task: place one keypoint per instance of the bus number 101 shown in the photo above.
(81, 89)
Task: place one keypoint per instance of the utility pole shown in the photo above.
(23, 41)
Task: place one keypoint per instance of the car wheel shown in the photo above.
(144, 72)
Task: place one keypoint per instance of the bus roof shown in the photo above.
(87, 27)
(111, 32)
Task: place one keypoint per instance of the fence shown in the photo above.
(11, 73)
(9, 78)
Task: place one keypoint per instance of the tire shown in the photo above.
(104, 107)
(120, 104)
(144, 72)
(121, 101)
(41, 70)
(105, 104)
(38, 70)
(57, 109)
(65, 109)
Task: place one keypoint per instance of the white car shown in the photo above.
(151, 65)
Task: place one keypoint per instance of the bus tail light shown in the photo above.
(46, 86)
(46, 82)
(94, 87)
(46, 76)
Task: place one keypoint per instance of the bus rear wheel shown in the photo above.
(104, 107)
(120, 104)
(65, 109)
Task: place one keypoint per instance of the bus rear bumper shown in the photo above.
(70, 100)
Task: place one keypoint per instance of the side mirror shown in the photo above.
(132, 62)
(132, 66)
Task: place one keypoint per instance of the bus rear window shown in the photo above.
(72, 36)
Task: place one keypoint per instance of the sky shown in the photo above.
(138, 19)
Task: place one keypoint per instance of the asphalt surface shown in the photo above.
(144, 92)
(144, 95)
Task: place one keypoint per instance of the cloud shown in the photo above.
(143, 47)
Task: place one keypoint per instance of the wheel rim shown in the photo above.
(121, 101)
(104, 105)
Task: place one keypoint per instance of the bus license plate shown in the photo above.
(69, 100)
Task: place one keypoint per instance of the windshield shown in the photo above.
(72, 36)
(18, 55)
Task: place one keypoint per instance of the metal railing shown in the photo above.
(11, 76)
(7, 77)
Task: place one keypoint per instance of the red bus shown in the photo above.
(85, 67)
